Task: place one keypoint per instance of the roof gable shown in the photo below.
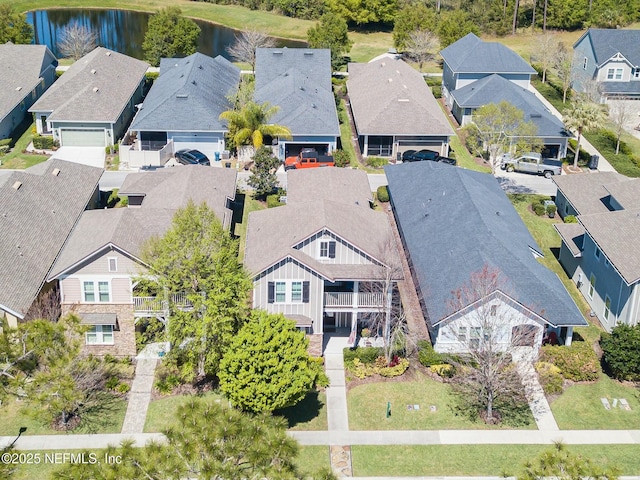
(608, 42)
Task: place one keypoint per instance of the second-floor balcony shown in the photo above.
(337, 300)
(152, 306)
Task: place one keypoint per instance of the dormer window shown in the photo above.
(635, 73)
(585, 63)
(327, 249)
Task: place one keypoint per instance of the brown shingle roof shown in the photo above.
(586, 191)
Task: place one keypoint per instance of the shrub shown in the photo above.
(570, 219)
(382, 193)
(379, 366)
(550, 378)
(123, 388)
(274, 200)
(364, 354)
(377, 162)
(109, 149)
(443, 370)
(5, 141)
(401, 365)
(551, 210)
(44, 143)
(538, 209)
(341, 158)
(427, 355)
(437, 91)
(112, 383)
(577, 362)
(622, 352)
(583, 157)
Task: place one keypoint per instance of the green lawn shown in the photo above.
(108, 420)
(580, 408)
(250, 205)
(312, 458)
(464, 158)
(16, 158)
(346, 134)
(309, 414)
(494, 460)
(161, 413)
(367, 407)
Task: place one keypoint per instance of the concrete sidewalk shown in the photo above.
(139, 396)
(337, 416)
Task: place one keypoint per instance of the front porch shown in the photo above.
(157, 307)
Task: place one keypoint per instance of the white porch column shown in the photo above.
(387, 320)
(365, 150)
(569, 337)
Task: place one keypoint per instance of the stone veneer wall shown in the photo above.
(315, 344)
(124, 336)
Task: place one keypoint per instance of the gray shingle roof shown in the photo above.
(95, 88)
(298, 80)
(572, 235)
(620, 88)
(586, 192)
(165, 190)
(472, 55)
(626, 193)
(494, 89)
(607, 42)
(189, 95)
(21, 68)
(454, 222)
(388, 97)
(347, 186)
(35, 221)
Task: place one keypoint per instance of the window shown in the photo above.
(592, 285)
(281, 292)
(618, 74)
(596, 252)
(607, 307)
(100, 335)
(89, 292)
(606, 262)
(462, 334)
(584, 63)
(296, 291)
(635, 73)
(474, 338)
(327, 249)
(33, 94)
(494, 310)
(288, 291)
(614, 74)
(22, 105)
(102, 291)
(113, 264)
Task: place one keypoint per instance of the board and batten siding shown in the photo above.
(346, 254)
(291, 270)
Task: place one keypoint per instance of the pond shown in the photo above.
(123, 30)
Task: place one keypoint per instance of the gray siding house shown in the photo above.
(455, 223)
(99, 266)
(394, 109)
(27, 71)
(321, 259)
(298, 81)
(610, 58)
(182, 110)
(93, 102)
(601, 252)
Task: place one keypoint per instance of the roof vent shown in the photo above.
(403, 99)
(18, 89)
(108, 53)
(498, 213)
(95, 89)
(200, 67)
(308, 53)
(193, 82)
(182, 95)
(301, 88)
(277, 52)
(93, 71)
(55, 172)
(382, 64)
(536, 115)
(16, 185)
(390, 80)
(313, 105)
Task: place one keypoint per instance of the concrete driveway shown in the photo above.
(515, 182)
(92, 156)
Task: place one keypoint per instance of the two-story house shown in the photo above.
(325, 259)
(99, 265)
(610, 59)
(456, 223)
(601, 253)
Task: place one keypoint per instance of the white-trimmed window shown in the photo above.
(281, 292)
(474, 336)
(327, 249)
(100, 335)
(462, 334)
(607, 307)
(614, 74)
(635, 73)
(113, 264)
(296, 291)
(96, 292)
(592, 285)
(493, 310)
(288, 291)
(596, 252)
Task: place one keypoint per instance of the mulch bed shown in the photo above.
(415, 372)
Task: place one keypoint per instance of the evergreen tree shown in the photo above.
(332, 33)
(169, 34)
(263, 174)
(14, 27)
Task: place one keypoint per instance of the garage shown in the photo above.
(80, 137)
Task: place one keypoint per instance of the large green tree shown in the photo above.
(208, 442)
(14, 26)
(331, 32)
(268, 366)
(169, 34)
(197, 258)
(583, 115)
(559, 463)
(453, 26)
(412, 17)
(622, 351)
(263, 173)
(364, 11)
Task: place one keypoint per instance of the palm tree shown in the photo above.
(248, 125)
(583, 115)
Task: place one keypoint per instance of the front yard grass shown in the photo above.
(309, 414)
(580, 408)
(367, 406)
(310, 459)
(16, 158)
(162, 412)
(250, 205)
(464, 158)
(476, 460)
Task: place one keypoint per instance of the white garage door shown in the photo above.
(76, 137)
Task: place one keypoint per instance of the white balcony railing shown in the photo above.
(158, 305)
(346, 299)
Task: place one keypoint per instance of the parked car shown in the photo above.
(420, 156)
(407, 154)
(531, 162)
(192, 157)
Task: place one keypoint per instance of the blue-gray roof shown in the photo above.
(472, 55)
(607, 42)
(189, 95)
(495, 89)
(298, 80)
(620, 88)
(453, 223)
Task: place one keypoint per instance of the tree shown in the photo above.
(331, 32)
(454, 25)
(561, 464)
(622, 351)
(621, 113)
(546, 45)
(421, 46)
(263, 174)
(364, 11)
(169, 34)
(268, 366)
(563, 66)
(209, 442)
(486, 380)
(583, 115)
(14, 27)
(412, 17)
(197, 258)
(245, 44)
(76, 40)
(495, 128)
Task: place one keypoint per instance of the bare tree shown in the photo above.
(487, 335)
(620, 113)
(563, 66)
(546, 45)
(76, 41)
(244, 47)
(46, 306)
(421, 46)
(515, 17)
(544, 16)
